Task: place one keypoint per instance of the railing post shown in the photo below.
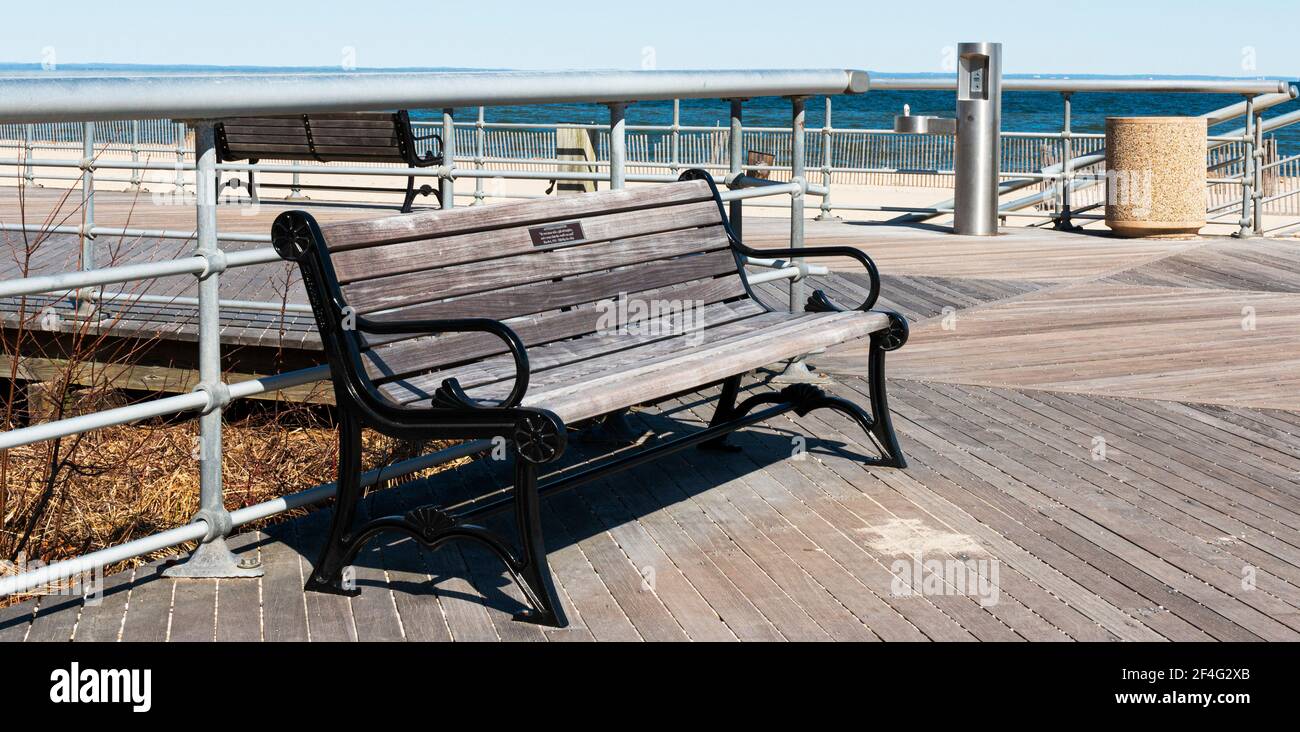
(480, 144)
(179, 131)
(29, 173)
(1245, 228)
(1063, 220)
(797, 370)
(212, 558)
(676, 144)
(797, 175)
(447, 183)
(295, 189)
(135, 153)
(735, 155)
(827, 164)
(617, 145)
(86, 298)
(1260, 154)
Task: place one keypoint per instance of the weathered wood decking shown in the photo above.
(1089, 413)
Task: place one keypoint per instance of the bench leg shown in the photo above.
(410, 194)
(882, 427)
(724, 412)
(804, 398)
(534, 571)
(327, 574)
(433, 527)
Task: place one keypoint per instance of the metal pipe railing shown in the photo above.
(1144, 86)
(79, 99)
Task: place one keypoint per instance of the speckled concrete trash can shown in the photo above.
(1155, 176)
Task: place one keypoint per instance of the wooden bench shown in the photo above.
(518, 320)
(356, 137)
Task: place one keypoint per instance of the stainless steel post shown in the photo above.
(480, 144)
(135, 153)
(1258, 204)
(86, 298)
(179, 128)
(1244, 230)
(676, 143)
(797, 370)
(295, 187)
(735, 154)
(617, 145)
(447, 184)
(1067, 165)
(979, 126)
(826, 214)
(212, 558)
(29, 174)
(797, 175)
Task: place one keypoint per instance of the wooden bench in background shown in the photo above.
(518, 320)
(356, 137)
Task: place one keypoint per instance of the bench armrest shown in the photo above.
(819, 301)
(450, 394)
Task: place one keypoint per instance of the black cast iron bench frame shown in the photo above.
(320, 145)
(537, 435)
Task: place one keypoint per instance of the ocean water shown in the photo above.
(1021, 111)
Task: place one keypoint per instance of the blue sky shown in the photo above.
(1098, 36)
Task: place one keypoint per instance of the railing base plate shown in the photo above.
(213, 560)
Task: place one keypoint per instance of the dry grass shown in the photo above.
(127, 482)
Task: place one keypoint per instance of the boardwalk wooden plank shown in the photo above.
(101, 620)
(194, 610)
(284, 610)
(329, 616)
(16, 621)
(148, 610)
(239, 601)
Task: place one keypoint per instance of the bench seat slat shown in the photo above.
(343, 235)
(390, 358)
(570, 353)
(372, 295)
(598, 394)
(452, 249)
(662, 368)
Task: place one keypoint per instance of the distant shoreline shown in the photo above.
(78, 68)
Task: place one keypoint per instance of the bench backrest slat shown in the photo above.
(550, 269)
(343, 235)
(405, 357)
(351, 137)
(449, 250)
